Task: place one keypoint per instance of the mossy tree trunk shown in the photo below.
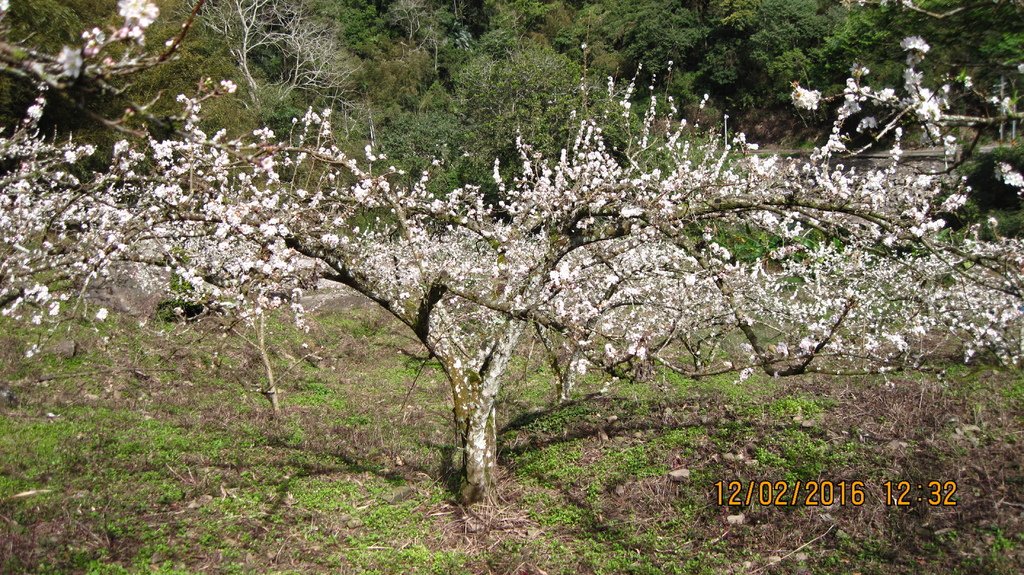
(478, 438)
(567, 374)
(474, 393)
(563, 358)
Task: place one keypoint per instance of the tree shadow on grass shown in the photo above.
(585, 419)
(331, 460)
(342, 462)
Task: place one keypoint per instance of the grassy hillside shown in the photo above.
(145, 450)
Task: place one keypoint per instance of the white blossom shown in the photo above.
(70, 60)
(806, 99)
(915, 43)
(1010, 176)
(140, 13)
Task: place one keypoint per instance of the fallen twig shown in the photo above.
(793, 552)
(30, 493)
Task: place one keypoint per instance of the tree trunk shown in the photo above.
(474, 393)
(271, 389)
(562, 357)
(567, 375)
(479, 455)
(474, 418)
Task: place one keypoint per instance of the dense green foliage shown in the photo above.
(436, 79)
(506, 65)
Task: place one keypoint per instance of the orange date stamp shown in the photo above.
(790, 493)
(827, 493)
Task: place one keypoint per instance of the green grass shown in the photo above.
(314, 394)
(1015, 392)
(161, 458)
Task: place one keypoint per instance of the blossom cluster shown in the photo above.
(96, 53)
(138, 15)
(883, 111)
(630, 257)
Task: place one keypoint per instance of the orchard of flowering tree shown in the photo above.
(645, 243)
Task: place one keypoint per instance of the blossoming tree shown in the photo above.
(629, 255)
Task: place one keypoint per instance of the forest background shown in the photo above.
(426, 79)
